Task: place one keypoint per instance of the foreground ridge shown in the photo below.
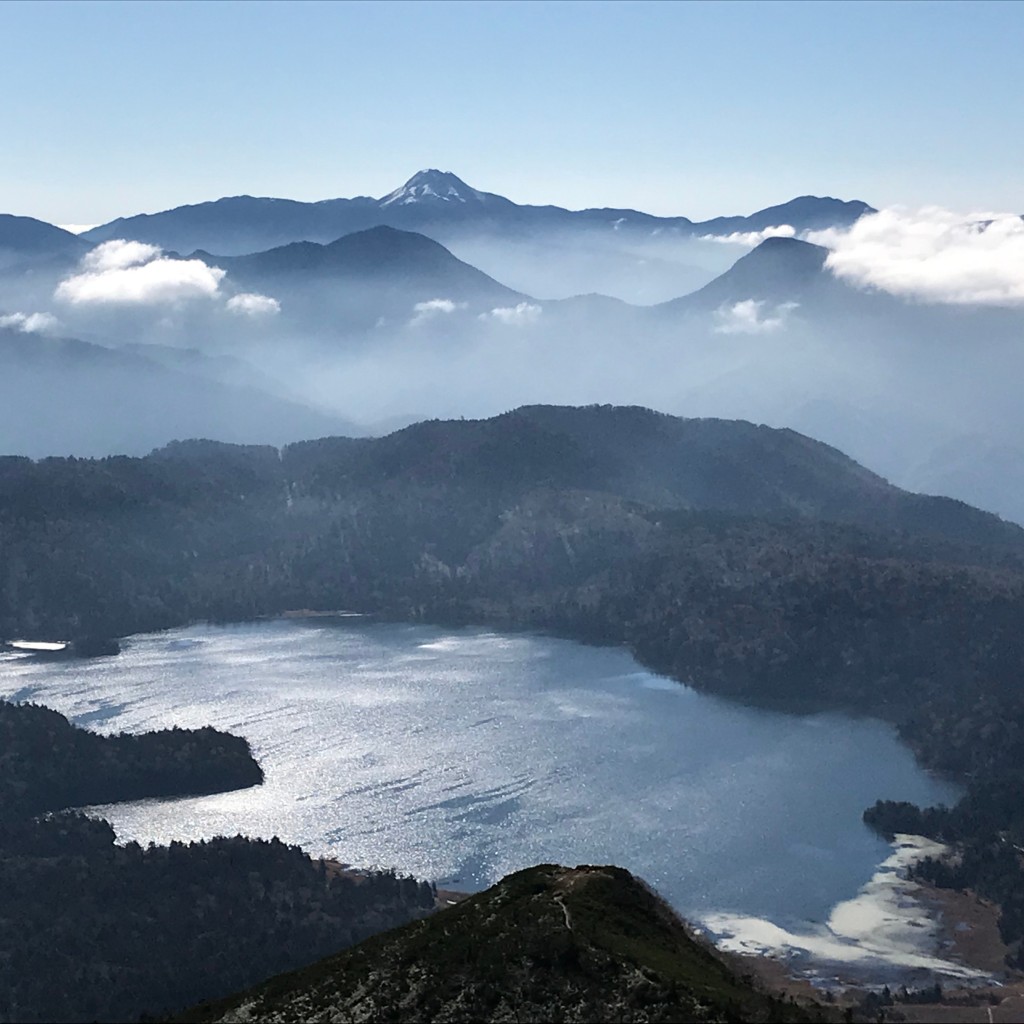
(546, 943)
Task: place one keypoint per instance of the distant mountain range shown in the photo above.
(362, 276)
(547, 251)
(778, 269)
(436, 203)
(775, 337)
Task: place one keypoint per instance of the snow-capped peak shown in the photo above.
(433, 186)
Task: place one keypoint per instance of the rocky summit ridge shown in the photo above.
(546, 943)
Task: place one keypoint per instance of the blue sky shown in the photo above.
(696, 109)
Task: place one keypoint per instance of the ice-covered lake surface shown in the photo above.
(463, 755)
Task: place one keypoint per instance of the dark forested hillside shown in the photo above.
(640, 455)
(92, 930)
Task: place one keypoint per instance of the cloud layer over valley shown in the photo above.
(748, 317)
(752, 238)
(131, 273)
(127, 273)
(30, 323)
(932, 255)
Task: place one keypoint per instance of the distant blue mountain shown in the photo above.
(436, 203)
(27, 240)
(379, 255)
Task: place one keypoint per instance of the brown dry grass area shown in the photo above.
(335, 869)
(970, 934)
(970, 926)
(771, 975)
(1009, 1010)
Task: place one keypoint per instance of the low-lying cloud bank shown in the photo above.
(522, 313)
(931, 255)
(123, 273)
(132, 273)
(30, 323)
(752, 238)
(751, 317)
(424, 311)
(253, 304)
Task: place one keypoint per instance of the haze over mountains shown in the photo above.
(68, 396)
(439, 299)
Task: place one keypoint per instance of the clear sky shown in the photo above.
(675, 108)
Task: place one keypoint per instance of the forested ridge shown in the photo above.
(752, 562)
(91, 930)
(46, 764)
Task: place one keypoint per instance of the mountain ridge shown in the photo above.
(26, 240)
(371, 252)
(573, 944)
(432, 200)
(776, 269)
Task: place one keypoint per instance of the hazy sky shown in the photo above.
(696, 109)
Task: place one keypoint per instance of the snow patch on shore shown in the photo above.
(884, 926)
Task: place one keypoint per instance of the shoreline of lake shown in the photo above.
(532, 725)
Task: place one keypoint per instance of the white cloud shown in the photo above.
(932, 255)
(30, 323)
(746, 317)
(752, 238)
(254, 305)
(119, 253)
(524, 313)
(424, 311)
(132, 273)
